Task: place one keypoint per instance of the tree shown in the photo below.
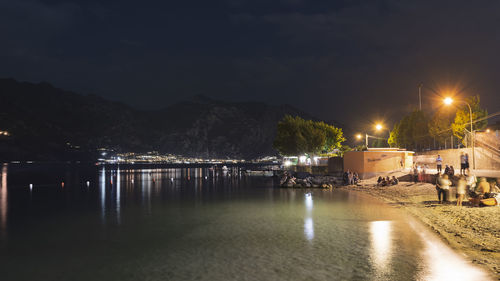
(411, 132)
(297, 136)
(439, 127)
(333, 136)
(462, 118)
(289, 138)
(394, 137)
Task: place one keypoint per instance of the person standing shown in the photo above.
(440, 193)
(439, 164)
(445, 186)
(415, 173)
(467, 163)
(463, 163)
(461, 186)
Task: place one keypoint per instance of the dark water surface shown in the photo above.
(186, 224)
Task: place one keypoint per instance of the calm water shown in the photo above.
(185, 224)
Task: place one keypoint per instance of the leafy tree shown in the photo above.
(333, 136)
(394, 136)
(289, 138)
(297, 136)
(411, 132)
(462, 118)
(439, 127)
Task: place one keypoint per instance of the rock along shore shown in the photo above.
(474, 231)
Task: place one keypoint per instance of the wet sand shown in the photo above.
(473, 231)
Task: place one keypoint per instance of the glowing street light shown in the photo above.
(448, 101)
(358, 136)
(378, 127)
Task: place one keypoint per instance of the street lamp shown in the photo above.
(378, 127)
(449, 101)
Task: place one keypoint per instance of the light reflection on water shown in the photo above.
(3, 202)
(308, 221)
(180, 224)
(381, 251)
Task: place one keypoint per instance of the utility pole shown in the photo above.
(420, 96)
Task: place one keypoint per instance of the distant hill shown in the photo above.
(47, 123)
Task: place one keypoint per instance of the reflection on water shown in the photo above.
(308, 221)
(381, 251)
(118, 194)
(102, 193)
(187, 224)
(3, 202)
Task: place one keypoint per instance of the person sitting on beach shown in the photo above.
(461, 186)
(394, 180)
(452, 171)
(495, 186)
(483, 187)
(379, 180)
(346, 177)
(481, 190)
(446, 170)
(355, 177)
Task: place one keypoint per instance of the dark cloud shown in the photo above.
(351, 61)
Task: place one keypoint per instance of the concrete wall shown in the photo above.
(373, 163)
(484, 159)
(335, 165)
(450, 157)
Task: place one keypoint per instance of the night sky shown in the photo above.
(350, 61)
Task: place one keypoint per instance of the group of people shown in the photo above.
(350, 178)
(466, 185)
(449, 170)
(381, 181)
(420, 173)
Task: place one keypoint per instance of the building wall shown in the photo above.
(373, 163)
(335, 165)
(484, 159)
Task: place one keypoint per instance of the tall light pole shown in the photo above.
(420, 96)
(449, 101)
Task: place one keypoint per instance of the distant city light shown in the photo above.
(358, 136)
(302, 159)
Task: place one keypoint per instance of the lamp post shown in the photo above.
(378, 127)
(449, 101)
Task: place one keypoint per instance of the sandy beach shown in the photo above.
(473, 231)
